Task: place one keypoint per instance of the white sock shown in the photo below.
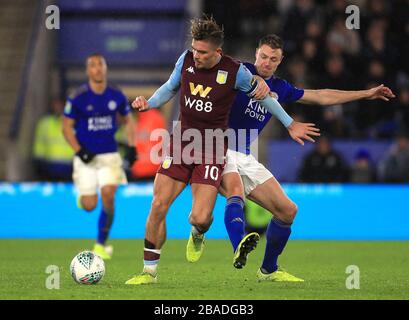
(151, 261)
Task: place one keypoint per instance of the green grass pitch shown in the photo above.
(383, 266)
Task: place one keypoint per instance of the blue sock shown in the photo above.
(104, 224)
(234, 220)
(277, 236)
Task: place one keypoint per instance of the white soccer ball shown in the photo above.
(87, 268)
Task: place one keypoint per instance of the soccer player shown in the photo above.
(89, 126)
(208, 81)
(258, 184)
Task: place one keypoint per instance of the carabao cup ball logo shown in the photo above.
(86, 258)
(112, 105)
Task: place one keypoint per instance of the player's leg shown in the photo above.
(105, 221)
(233, 214)
(110, 175)
(272, 197)
(86, 182)
(205, 180)
(88, 202)
(234, 220)
(232, 188)
(165, 191)
(201, 218)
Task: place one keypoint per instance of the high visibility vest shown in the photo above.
(49, 141)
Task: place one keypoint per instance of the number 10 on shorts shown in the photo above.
(211, 171)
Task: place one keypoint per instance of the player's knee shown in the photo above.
(88, 205)
(159, 205)
(235, 192)
(289, 211)
(202, 223)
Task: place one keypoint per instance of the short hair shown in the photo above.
(273, 41)
(94, 54)
(207, 29)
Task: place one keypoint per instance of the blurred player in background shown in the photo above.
(259, 185)
(90, 123)
(208, 81)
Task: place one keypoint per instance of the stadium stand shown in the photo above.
(16, 19)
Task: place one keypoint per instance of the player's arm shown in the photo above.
(249, 84)
(129, 125)
(131, 153)
(298, 131)
(331, 96)
(69, 134)
(166, 92)
(126, 119)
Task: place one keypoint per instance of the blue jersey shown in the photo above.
(95, 117)
(248, 114)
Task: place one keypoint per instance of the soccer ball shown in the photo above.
(87, 268)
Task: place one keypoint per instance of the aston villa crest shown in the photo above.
(221, 77)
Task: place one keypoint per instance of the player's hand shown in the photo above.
(380, 92)
(131, 155)
(300, 131)
(85, 155)
(140, 104)
(262, 89)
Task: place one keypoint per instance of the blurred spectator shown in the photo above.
(52, 154)
(341, 40)
(395, 166)
(378, 9)
(323, 164)
(148, 121)
(336, 75)
(297, 72)
(400, 32)
(313, 58)
(376, 72)
(377, 47)
(403, 109)
(295, 23)
(315, 30)
(333, 122)
(254, 15)
(335, 9)
(230, 18)
(362, 170)
(376, 118)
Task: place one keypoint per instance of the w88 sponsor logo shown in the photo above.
(198, 104)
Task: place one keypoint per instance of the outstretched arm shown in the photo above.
(331, 96)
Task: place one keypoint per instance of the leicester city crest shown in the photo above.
(68, 107)
(221, 77)
(112, 105)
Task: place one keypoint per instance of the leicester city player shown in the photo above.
(208, 82)
(258, 184)
(90, 123)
